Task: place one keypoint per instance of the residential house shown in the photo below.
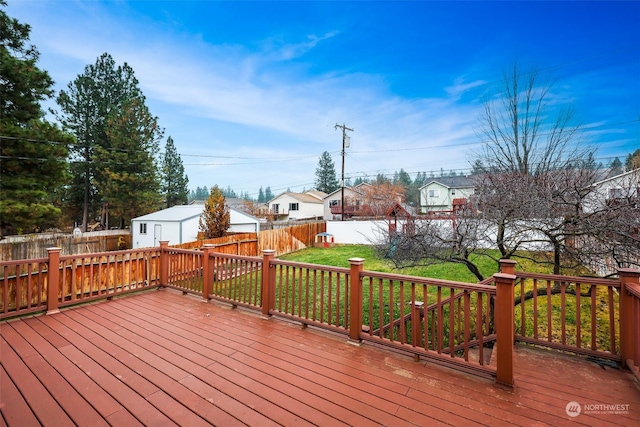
(362, 200)
(442, 194)
(295, 206)
(354, 197)
(180, 224)
(609, 190)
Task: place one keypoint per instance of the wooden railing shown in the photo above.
(312, 294)
(630, 319)
(468, 327)
(575, 314)
(46, 284)
(447, 322)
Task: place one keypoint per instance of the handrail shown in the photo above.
(558, 277)
(438, 319)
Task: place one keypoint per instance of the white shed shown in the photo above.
(180, 224)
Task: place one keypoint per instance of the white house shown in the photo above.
(180, 224)
(288, 205)
(623, 186)
(439, 193)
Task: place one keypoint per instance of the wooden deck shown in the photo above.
(162, 358)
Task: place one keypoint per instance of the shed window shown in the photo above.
(434, 193)
(143, 228)
(293, 206)
(453, 191)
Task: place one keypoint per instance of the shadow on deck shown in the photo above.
(162, 358)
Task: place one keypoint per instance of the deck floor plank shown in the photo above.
(36, 396)
(15, 411)
(43, 338)
(162, 358)
(220, 368)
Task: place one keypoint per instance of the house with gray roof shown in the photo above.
(440, 194)
(294, 206)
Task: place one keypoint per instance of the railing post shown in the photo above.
(628, 332)
(268, 290)
(508, 266)
(164, 263)
(355, 299)
(416, 326)
(503, 322)
(207, 270)
(53, 280)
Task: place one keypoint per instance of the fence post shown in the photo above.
(207, 270)
(503, 323)
(268, 290)
(355, 299)
(164, 263)
(628, 276)
(508, 266)
(53, 280)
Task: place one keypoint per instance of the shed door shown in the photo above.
(157, 234)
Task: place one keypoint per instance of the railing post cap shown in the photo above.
(505, 276)
(508, 261)
(356, 261)
(629, 272)
(54, 249)
(268, 251)
(208, 245)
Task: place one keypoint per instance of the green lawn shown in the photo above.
(339, 255)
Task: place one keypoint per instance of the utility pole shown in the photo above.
(345, 143)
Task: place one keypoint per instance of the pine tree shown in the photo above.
(615, 167)
(633, 161)
(261, 196)
(326, 174)
(268, 195)
(215, 219)
(33, 169)
(174, 184)
(117, 137)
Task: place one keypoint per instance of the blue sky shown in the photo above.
(251, 91)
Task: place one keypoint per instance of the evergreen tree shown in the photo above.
(615, 167)
(326, 174)
(215, 219)
(174, 186)
(33, 169)
(404, 180)
(633, 161)
(117, 139)
(268, 195)
(229, 193)
(381, 179)
(261, 196)
(413, 192)
(129, 179)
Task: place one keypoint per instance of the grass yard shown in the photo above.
(598, 307)
(338, 256)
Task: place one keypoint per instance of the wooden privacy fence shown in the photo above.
(282, 240)
(35, 245)
(468, 327)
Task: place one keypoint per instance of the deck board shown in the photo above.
(163, 358)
